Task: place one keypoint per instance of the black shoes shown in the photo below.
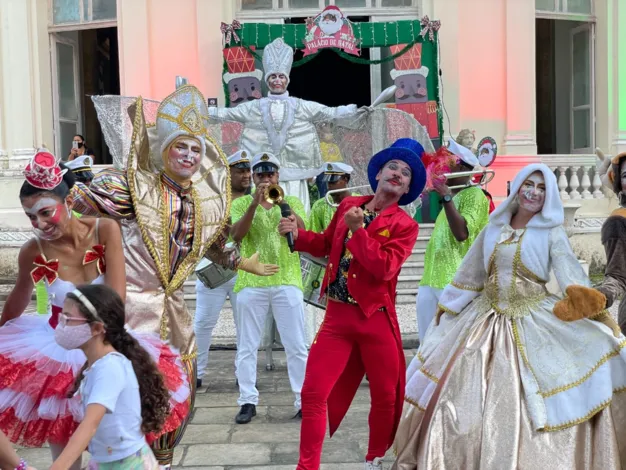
(298, 415)
(245, 415)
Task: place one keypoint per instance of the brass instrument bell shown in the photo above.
(274, 194)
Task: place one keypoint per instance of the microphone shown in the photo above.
(285, 212)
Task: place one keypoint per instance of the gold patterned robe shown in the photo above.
(142, 200)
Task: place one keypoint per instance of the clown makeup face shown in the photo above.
(183, 159)
(532, 194)
(622, 175)
(48, 215)
(395, 177)
(277, 83)
(244, 89)
(411, 89)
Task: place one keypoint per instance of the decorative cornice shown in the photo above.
(589, 225)
(16, 239)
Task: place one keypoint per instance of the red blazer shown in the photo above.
(378, 253)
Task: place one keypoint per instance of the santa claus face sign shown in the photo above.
(487, 151)
(331, 22)
(244, 89)
(411, 89)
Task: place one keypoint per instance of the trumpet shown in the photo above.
(329, 194)
(274, 194)
(488, 176)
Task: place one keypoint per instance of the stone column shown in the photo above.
(617, 95)
(609, 58)
(25, 114)
(209, 17)
(520, 137)
(25, 86)
(448, 12)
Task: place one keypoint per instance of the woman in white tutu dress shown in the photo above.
(502, 382)
(36, 374)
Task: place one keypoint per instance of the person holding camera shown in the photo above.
(79, 148)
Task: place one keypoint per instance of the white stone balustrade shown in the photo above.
(577, 176)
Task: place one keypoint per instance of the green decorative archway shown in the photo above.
(368, 35)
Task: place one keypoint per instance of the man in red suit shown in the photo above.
(367, 242)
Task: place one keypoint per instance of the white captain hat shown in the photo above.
(465, 154)
(83, 163)
(334, 171)
(265, 162)
(240, 159)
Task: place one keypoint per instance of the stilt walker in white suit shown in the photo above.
(283, 125)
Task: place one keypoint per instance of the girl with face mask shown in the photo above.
(502, 373)
(35, 372)
(123, 394)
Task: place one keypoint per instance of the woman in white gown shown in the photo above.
(501, 382)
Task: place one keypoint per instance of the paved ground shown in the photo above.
(214, 442)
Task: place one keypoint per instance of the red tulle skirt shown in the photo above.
(36, 375)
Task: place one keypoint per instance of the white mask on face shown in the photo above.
(72, 337)
(532, 194)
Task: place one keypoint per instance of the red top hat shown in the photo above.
(44, 172)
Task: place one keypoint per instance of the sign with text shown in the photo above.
(330, 29)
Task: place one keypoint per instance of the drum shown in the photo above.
(313, 270)
(213, 275)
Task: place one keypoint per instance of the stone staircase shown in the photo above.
(409, 279)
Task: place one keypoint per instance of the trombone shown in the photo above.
(329, 194)
(487, 177)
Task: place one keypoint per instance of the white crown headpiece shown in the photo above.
(277, 58)
(183, 113)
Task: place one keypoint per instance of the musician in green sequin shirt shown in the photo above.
(465, 214)
(255, 226)
(337, 176)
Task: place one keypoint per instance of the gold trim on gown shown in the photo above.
(477, 416)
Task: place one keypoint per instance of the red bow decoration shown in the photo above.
(45, 269)
(429, 27)
(229, 32)
(96, 254)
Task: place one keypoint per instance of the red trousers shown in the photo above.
(345, 328)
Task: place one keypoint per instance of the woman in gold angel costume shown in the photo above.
(503, 381)
(172, 200)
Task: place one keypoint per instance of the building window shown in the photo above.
(72, 12)
(267, 5)
(565, 7)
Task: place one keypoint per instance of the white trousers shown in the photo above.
(427, 300)
(287, 308)
(209, 303)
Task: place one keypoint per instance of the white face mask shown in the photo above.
(72, 337)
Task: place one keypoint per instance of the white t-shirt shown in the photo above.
(111, 382)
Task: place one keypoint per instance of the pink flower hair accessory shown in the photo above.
(43, 171)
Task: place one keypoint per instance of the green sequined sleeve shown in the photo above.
(298, 208)
(474, 208)
(239, 207)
